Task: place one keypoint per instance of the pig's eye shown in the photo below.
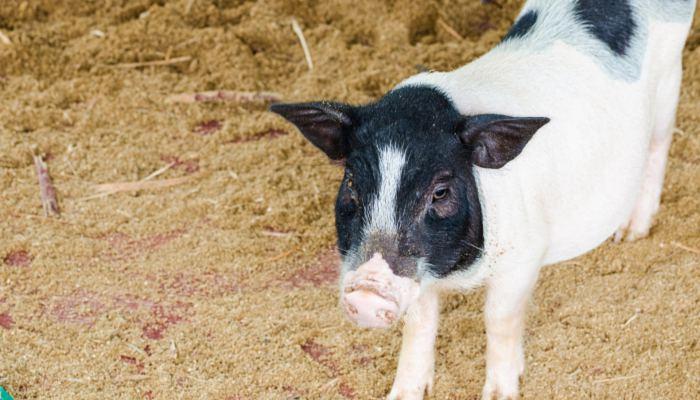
(349, 183)
(351, 195)
(440, 193)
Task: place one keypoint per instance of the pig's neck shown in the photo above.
(510, 208)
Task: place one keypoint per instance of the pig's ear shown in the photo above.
(497, 139)
(325, 124)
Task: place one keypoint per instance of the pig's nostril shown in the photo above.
(382, 291)
(351, 309)
(386, 315)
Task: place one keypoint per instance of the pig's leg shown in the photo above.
(506, 301)
(414, 375)
(650, 196)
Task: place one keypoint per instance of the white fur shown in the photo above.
(381, 217)
(596, 167)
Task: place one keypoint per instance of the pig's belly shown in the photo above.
(597, 202)
(593, 224)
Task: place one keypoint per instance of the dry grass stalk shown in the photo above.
(46, 189)
(449, 29)
(4, 39)
(158, 63)
(225, 95)
(158, 172)
(77, 380)
(686, 248)
(282, 255)
(131, 378)
(329, 384)
(107, 189)
(630, 319)
(137, 349)
(188, 7)
(173, 349)
(307, 54)
(617, 378)
(38, 217)
(116, 187)
(271, 233)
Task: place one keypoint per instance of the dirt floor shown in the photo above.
(222, 286)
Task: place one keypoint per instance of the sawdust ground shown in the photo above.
(223, 287)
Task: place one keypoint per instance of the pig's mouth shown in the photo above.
(373, 286)
(374, 297)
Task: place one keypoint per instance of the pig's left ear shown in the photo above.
(325, 124)
(495, 139)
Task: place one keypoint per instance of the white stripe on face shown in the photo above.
(381, 215)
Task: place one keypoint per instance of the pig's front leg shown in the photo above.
(506, 300)
(414, 375)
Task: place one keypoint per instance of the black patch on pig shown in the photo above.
(611, 21)
(522, 26)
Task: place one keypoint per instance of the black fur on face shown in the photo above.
(416, 142)
(437, 210)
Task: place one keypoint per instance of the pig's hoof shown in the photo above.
(636, 235)
(414, 382)
(496, 395)
(639, 223)
(415, 392)
(500, 391)
(630, 233)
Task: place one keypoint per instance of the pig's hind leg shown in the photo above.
(649, 198)
(414, 375)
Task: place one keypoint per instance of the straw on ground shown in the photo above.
(157, 63)
(686, 248)
(449, 29)
(146, 183)
(307, 54)
(4, 39)
(47, 191)
(116, 187)
(225, 95)
(617, 378)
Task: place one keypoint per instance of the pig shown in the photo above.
(534, 153)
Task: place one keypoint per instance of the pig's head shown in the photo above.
(408, 206)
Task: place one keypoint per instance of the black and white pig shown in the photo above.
(535, 153)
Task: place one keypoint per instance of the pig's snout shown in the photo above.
(374, 297)
(370, 310)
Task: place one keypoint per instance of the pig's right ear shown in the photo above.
(494, 140)
(325, 124)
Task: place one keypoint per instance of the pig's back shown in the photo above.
(577, 180)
